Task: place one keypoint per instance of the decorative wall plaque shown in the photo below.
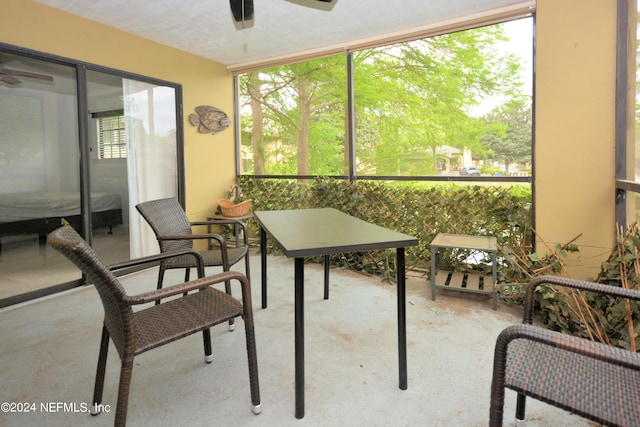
(209, 119)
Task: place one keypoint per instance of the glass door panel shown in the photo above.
(132, 157)
(152, 165)
(108, 167)
(39, 171)
(133, 151)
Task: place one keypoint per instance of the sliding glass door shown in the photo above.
(39, 172)
(78, 145)
(152, 164)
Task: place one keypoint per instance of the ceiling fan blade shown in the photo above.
(9, 79)
(242, 10)
(326, 5)
(7, 71)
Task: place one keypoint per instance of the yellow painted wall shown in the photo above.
(575, 128)
(209, 159)
(575, 85)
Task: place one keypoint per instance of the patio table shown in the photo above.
(304, 233)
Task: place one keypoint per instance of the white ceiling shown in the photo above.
(281, 27)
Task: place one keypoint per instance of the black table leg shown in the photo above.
(263, 265)
(326, 277)
(299, 335)
(402, 319)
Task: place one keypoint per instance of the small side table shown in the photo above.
(236, 227)
(464, 282)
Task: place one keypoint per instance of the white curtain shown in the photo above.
(150, 123)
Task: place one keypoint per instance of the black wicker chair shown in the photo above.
(174, 233)
(590, 379)
(136, 332)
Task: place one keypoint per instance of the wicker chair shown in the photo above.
(590, 379)
(174, 233)
(136, 332)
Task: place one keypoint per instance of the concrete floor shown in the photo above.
(49, 351)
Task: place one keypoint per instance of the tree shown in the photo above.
(509, 132)
(410, 99)
(304, 103)
(257, 136)
(418, 94)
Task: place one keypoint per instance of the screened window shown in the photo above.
(293, 119)
(628, 113)
(434, 107)
(442, 105)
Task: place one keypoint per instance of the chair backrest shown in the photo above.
(167, 218)
(118, 316)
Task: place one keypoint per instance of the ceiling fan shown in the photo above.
(242, 10)
(8, 75)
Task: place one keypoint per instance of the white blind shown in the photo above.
(479, 19)
(112, 138)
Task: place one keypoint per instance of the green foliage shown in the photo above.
(419, 210)
(622, 268)
(590, 315)
(410, 98)
(423, 210)
(509, 132)
(521, 265)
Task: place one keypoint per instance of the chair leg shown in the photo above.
(520, 407)
(160, 280)
(160, 277)
(227, 288)
(186, 277)
(208, 353)
(100, 372)
(126, 370)
(496, 410)
(256, 404)
(246, 266)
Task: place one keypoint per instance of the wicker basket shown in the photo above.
(231, 209)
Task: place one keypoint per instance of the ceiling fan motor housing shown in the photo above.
(242, 10)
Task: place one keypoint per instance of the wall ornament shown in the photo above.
(209, 119)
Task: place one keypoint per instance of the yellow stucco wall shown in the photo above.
(575, 83)
(575, 132)
(209, 159)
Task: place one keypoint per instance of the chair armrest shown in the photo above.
(585, 347)
(158, 257)
(218, 221)
(223, 221)
(217, 237)
(575, 284)
(182, 288)
(563, 381)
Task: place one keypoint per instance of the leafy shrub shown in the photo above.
(620, 318)
(420, 210)
(611, 320)
(424, 210)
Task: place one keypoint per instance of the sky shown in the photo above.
(520, 43)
